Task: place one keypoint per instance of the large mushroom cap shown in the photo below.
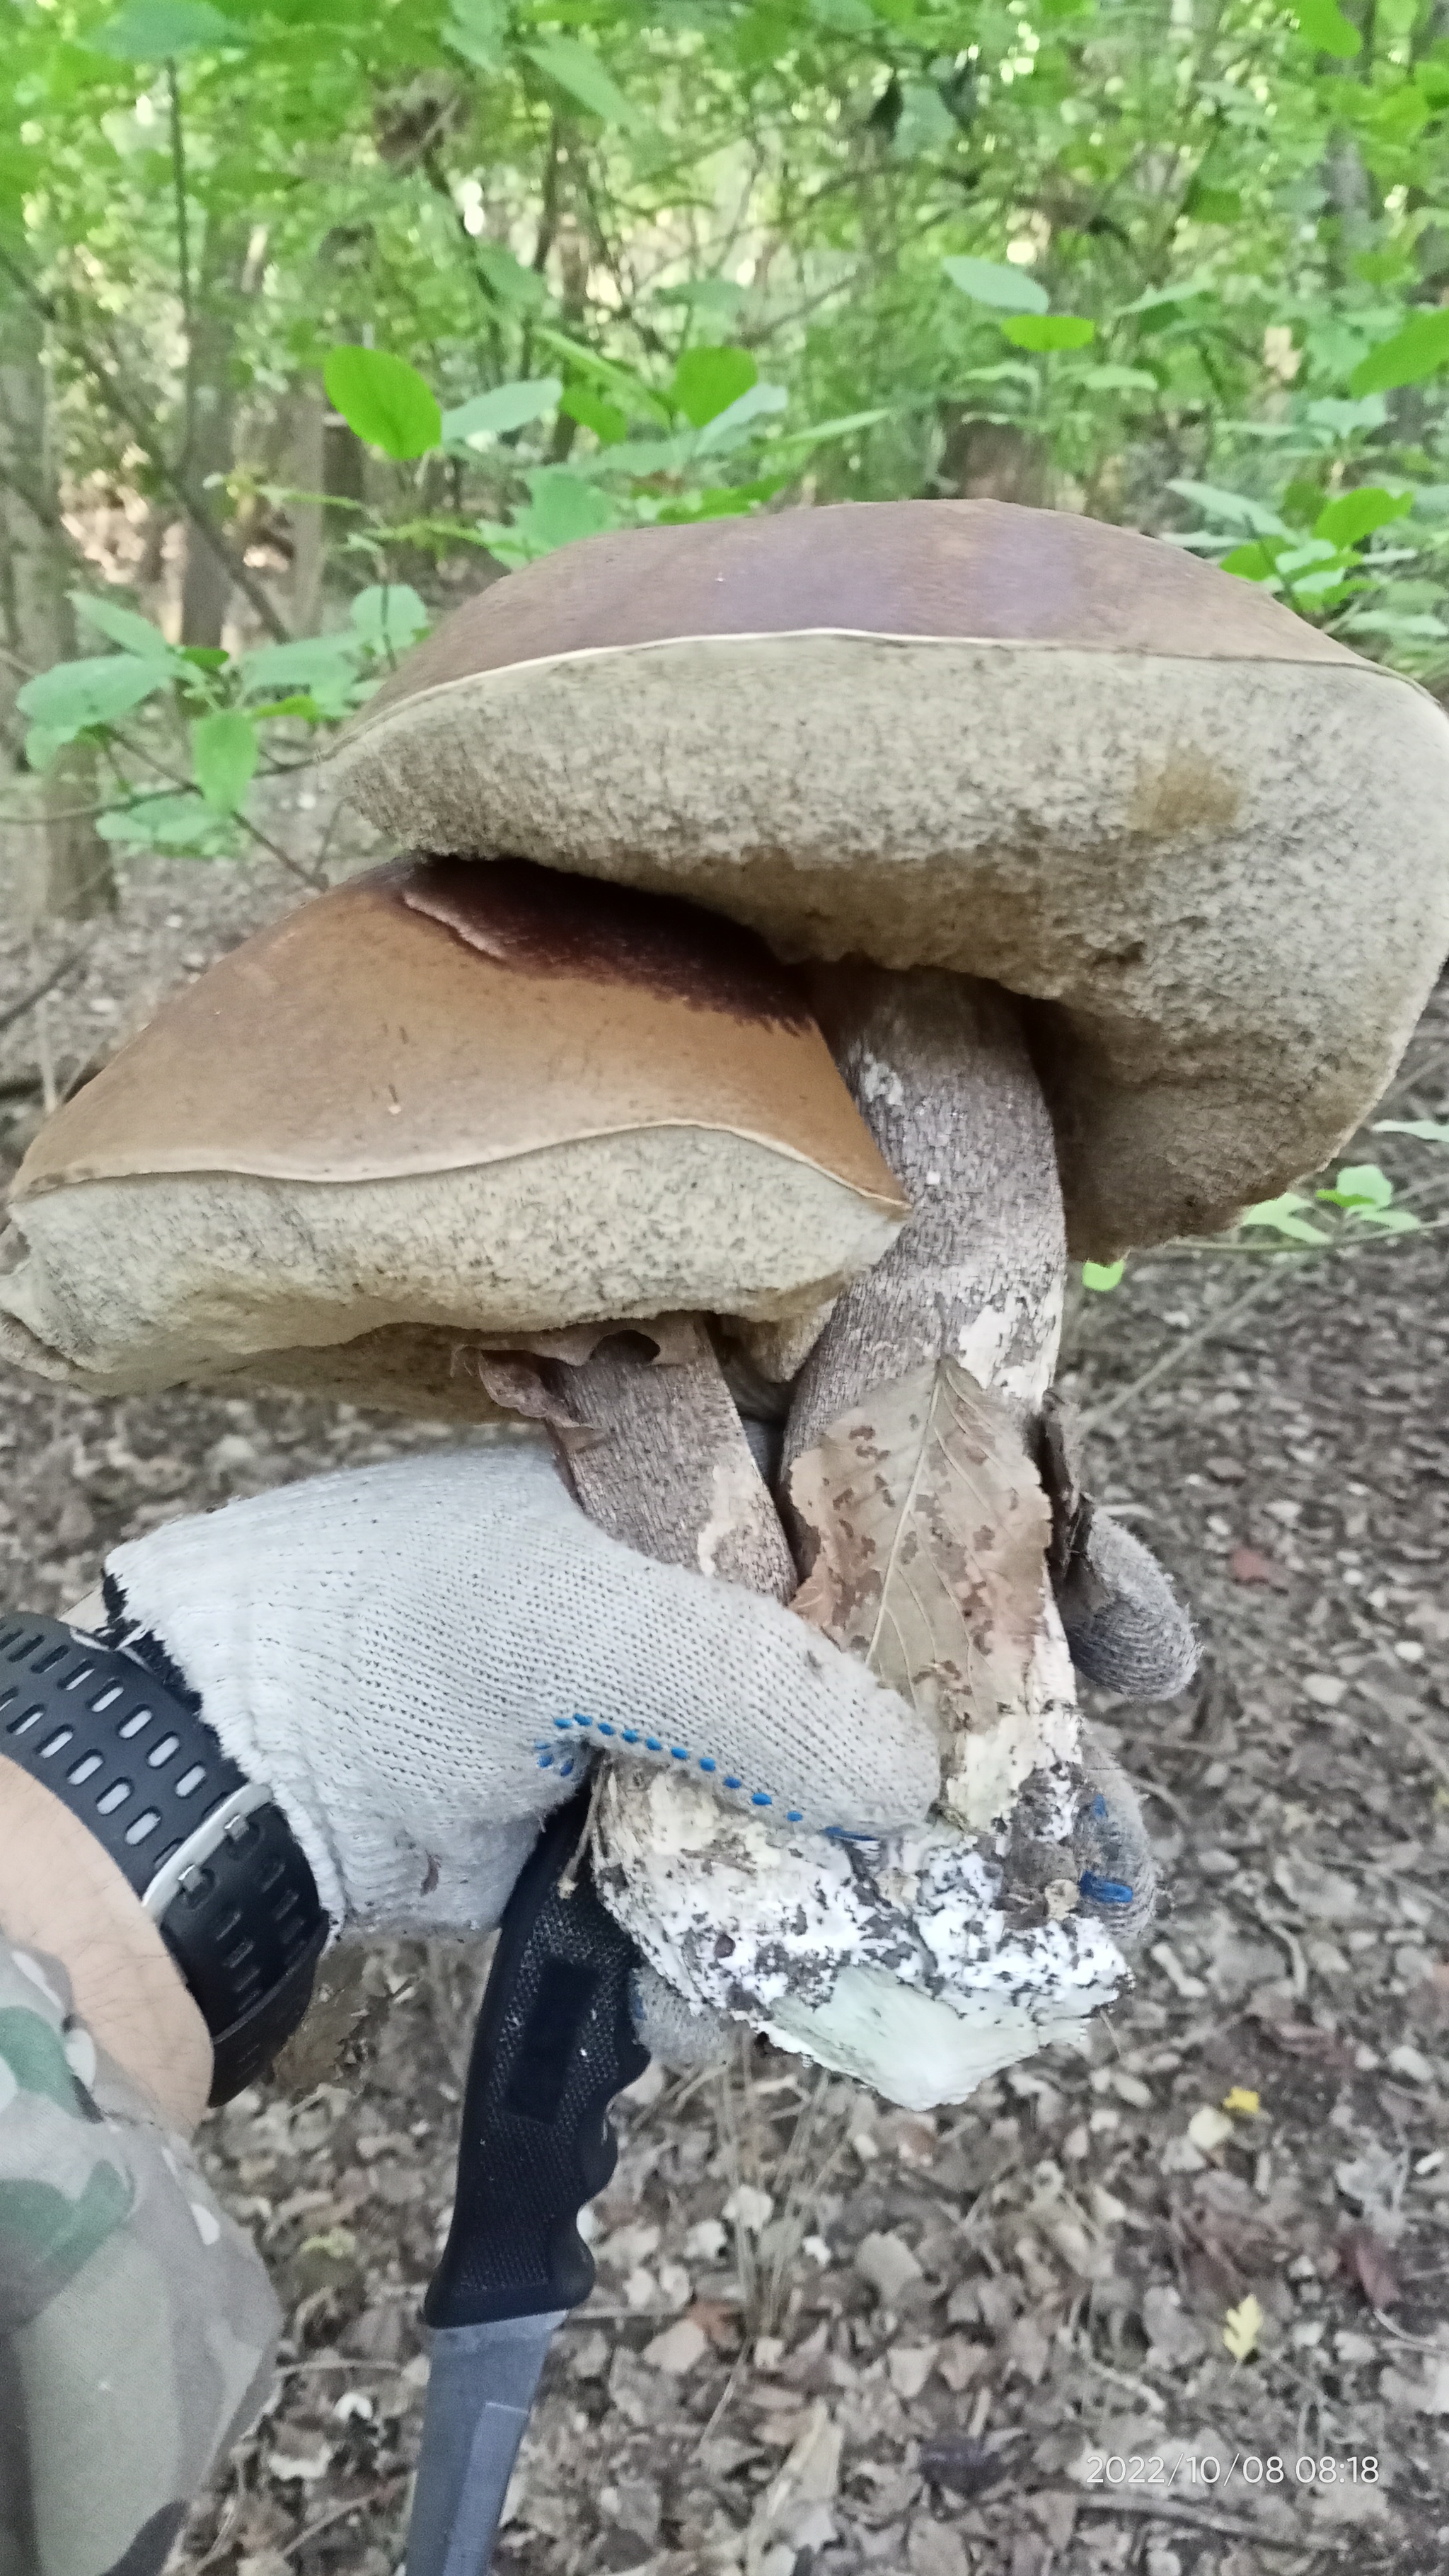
(1208, 841)
(442, 1100)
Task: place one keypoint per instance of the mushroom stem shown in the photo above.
(918, 1962)
(670, 1470)
(938, 1068)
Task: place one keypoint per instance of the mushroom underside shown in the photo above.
(1134, 842)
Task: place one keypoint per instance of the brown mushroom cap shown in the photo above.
(443, 1100)
(1206, 841)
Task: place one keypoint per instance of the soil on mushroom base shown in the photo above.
(1045, 2275)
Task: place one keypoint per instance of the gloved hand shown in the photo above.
(1126, 1629)
(420, 1659)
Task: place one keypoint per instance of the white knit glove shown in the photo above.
(420, 1659)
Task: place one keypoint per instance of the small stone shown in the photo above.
(889, 2265)
(909, 2366)
(959, 2361)
(590, 2357)
(1209, 2128)
(750, 2208)
(935, 2549)
(1411, 2062)
(1174, 2338)
(678, 2349)
(1181, 2156)
(675, 2287)
(1028, 2349)
(705, 2242)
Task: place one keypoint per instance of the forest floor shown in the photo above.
(827, 2336)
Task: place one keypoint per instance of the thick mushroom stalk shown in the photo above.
(916, 1961)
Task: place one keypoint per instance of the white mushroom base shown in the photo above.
(891, 1959)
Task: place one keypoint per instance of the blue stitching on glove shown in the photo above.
(1103, 1891)
(677, 1753)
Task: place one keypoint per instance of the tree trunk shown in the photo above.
(992, 460)
(66, 868)
(211, 421)
(309, 537)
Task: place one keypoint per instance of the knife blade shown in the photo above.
(555, 2042)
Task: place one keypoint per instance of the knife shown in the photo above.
(555, 2041)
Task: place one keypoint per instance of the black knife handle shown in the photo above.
(555, 2042)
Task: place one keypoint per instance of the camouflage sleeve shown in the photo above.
(137, 2326)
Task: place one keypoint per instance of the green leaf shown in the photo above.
(1213, 205)
(1341, 419)
(1322, 24)
(1430, 1131)
(510, 281)
(1355, 515)
(1153, 298)
(121, 625)
(384, 400)
(843, 17)
(1282, 1216)
(561, 508)
(625, 388)
(504, 407)
(718, 295)
(1114, 379)
(322, 665)
(591, 410)
(576, 68)
(993, 282)
(72, 696)
(304, 706)
(852, 424)
(153, 31)
(186, 825)
(1102, 1275)
(478, 30)
(1041, 331)
(1234, 509)
(1361, 1185)
(389, 617)
(1402, 629)
(736, 424)
(1419, 350)
(224, 751)
(708, 381)
(1256, 562)
(42, 746)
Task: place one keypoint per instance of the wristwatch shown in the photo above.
(209, 1853)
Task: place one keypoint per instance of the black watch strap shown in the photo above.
(209, 1852)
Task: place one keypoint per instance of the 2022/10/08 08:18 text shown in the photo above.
(1309, 2469)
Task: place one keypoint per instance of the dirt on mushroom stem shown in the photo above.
(915, 1504)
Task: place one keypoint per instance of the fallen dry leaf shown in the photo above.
(1368, 2259)
(926, 1531)
(1246, 1565)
